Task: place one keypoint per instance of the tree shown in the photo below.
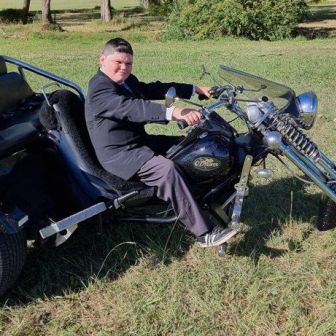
(144, 3)
(25, 10)
(105, 10)
(254, 19)
(46, 13)
(158, 7)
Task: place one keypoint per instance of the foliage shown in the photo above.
(54, 27)
(160, 7)
(254, 19)
(12, 15)
(316, 1)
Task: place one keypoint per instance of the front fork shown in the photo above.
(242, 190)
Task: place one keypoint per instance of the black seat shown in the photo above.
(66, 117)
(18, 116)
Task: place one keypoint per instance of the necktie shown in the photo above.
(127, 88)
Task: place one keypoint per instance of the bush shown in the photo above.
(254, 19)
(160, 7)
(12, 15)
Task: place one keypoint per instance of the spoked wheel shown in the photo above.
(326, 219)
(13, 251)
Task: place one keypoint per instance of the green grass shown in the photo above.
(279, 275)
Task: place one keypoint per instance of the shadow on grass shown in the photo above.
(268, 209)
(317, 27)
(89, 257)
(315, 32)
(323, 12)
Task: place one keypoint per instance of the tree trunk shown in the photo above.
(144, 3)
(25, 10)
(46, 13)
(105, 10)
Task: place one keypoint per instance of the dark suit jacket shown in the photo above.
(116, 117)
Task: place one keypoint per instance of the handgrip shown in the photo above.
(182, 124)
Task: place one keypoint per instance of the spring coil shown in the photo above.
(295, 136)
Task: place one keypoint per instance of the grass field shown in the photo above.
(278, 277)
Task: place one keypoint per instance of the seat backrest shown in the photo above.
(67, 116)
(13, 90)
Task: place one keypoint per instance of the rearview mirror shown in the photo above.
(170, 97)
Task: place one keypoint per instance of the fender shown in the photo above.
(13, 221)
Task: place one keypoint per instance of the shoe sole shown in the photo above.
(222, 241)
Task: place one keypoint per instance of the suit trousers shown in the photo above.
(171, 187)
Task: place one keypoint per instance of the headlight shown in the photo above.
(253, 112)
(307, 107)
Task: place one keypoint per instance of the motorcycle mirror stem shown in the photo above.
(205, 72)
(188, 101)
(171, 98)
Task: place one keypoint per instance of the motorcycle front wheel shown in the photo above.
(13, 251)
(326, 219)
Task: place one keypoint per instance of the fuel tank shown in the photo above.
(206, 158)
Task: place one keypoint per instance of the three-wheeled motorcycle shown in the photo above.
(51, 180)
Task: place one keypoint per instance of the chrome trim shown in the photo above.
(44, 91)
(301, 165)
(272, 139)
(72, 220)
(62, 238)
(326, 159)
(242, 191)
(307, 104)
(308, 161)
(328, 169)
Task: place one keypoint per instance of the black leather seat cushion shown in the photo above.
(15, 137)
(18, 112)
(71, 120)
(13, 90)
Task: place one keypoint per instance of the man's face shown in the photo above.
(118, 66)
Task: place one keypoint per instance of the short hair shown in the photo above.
(117, 45)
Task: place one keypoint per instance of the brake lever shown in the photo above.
(216, 91)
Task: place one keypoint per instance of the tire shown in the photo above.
(326, 219)
(13, 251)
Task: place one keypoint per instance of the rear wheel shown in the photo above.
(13, 250)
(326, 219)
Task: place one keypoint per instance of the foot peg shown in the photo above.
(69, 224)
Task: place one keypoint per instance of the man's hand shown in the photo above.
(203, 91)
(191, 116)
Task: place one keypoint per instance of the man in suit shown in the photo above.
(117, 107)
